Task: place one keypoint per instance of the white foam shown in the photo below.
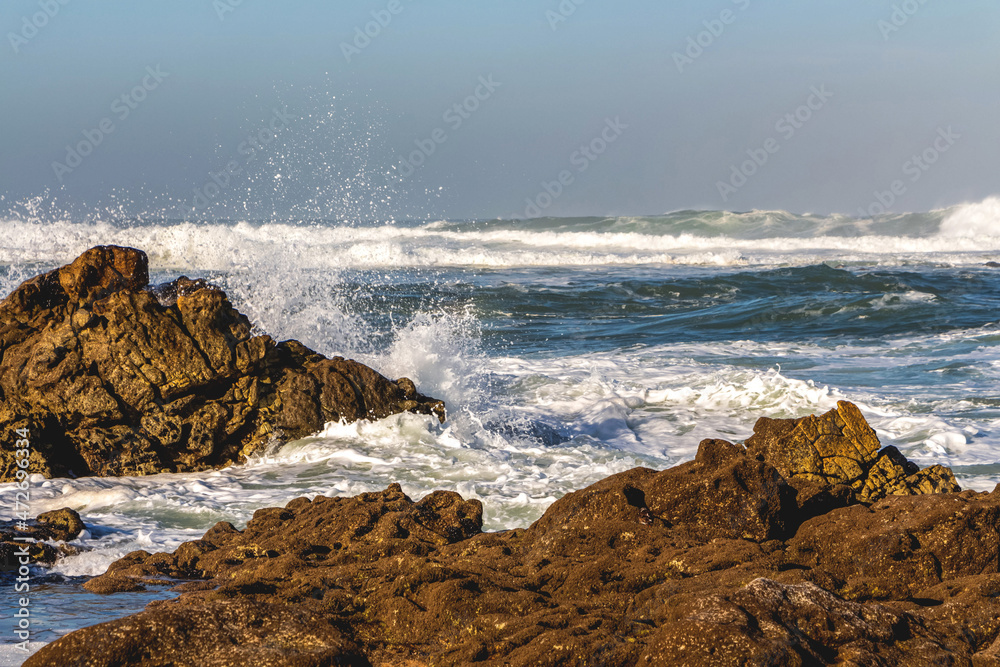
(11, 656)
(969, 235)
(928, 439)
(974, 221)
(614, 410)
(440, 353)
(902, 300)
(768, 391)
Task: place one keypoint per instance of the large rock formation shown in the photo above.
(715, 562)
(113, 377)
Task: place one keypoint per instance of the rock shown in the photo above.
(723, 493)
(901, 545)
(11, 552)
(228, 633)
(766, 622)
(836, 448)
(275, 542)
(112, 377)
(64, 524)
(58, 525)
(719, 561)
(839, 448)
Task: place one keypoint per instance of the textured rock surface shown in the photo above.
(112, 377)
(236, 632)
(58, 525)
(719, 561)
(840, 448)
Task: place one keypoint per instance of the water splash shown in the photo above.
(973, 220)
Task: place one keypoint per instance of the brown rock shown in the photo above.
(769, 623)
(11, 552)
(902, 544)
(223, 634)
(110, 377)
(723, 493)
(64, 524)
(839, 448)
(835, 448)
(58, 525)
(714, 562)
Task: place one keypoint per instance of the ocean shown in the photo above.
(567, 350)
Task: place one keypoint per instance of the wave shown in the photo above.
(968, 234)
(973, 220)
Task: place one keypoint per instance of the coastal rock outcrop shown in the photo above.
(718, 561)
(110, 376)
(840, 449)
(58, 525)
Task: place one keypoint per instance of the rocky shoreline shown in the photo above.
(807, 544)
(113, 376)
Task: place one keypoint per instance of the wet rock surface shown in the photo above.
(33, 536)
(112, 377)
(720, 561)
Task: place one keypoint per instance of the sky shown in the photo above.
(415, 109)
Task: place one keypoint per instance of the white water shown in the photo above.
(964, 235)
(525, 428)
(616, 410)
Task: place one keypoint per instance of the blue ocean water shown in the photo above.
(566, 349)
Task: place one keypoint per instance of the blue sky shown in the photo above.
(894, 87)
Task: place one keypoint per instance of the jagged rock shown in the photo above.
(57, 525)
(714, 562)
(839, 448)
(37, 552)
(721, 494)
(902, 544)
(275, 542)
(835, 448)
(111, 377)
